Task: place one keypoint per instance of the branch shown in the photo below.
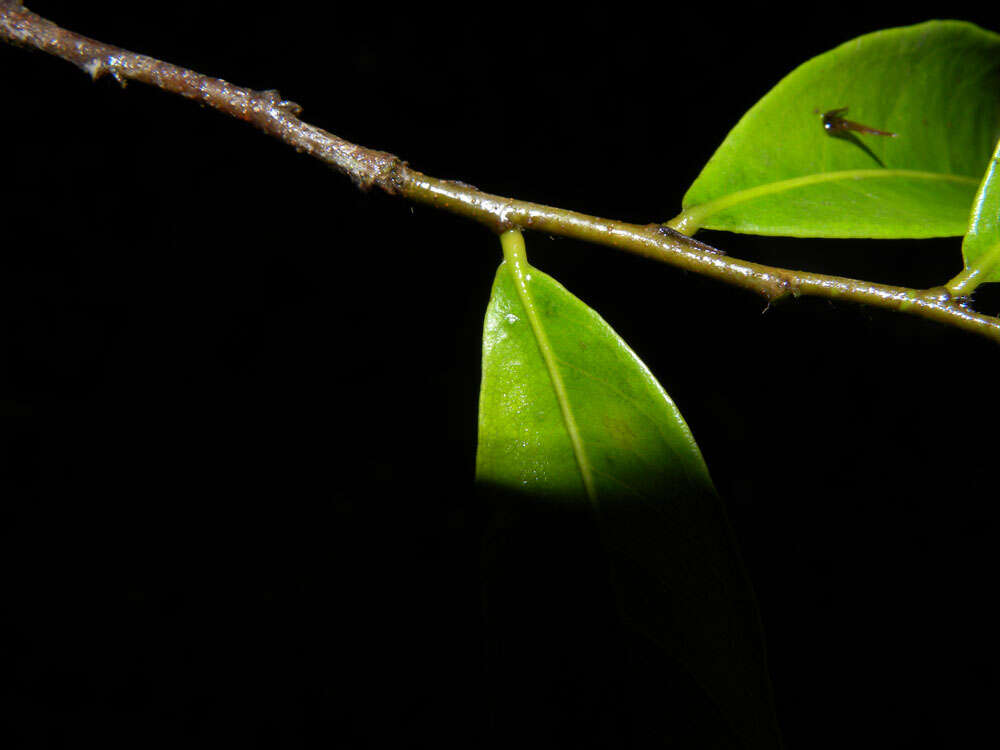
(369, 168)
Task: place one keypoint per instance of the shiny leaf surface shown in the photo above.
(781, 172)
(570, 415)
(981, 246)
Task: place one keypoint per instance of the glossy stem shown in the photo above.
(369, 168)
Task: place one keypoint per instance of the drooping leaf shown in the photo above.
(568, 414)
(981, 246)
(780, 172)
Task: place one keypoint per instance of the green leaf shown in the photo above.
(779, 172)
(981, 246)
(568, 414)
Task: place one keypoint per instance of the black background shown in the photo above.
(239, 396)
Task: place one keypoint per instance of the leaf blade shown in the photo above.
(680, 578)
(778, 172)
(981, 244)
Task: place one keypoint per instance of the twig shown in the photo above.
(369, 168)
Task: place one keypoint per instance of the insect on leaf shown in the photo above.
(936, 86)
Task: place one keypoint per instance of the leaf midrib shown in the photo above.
(693, 218)
(513, 250)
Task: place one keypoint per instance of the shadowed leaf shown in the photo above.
(570, 417)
